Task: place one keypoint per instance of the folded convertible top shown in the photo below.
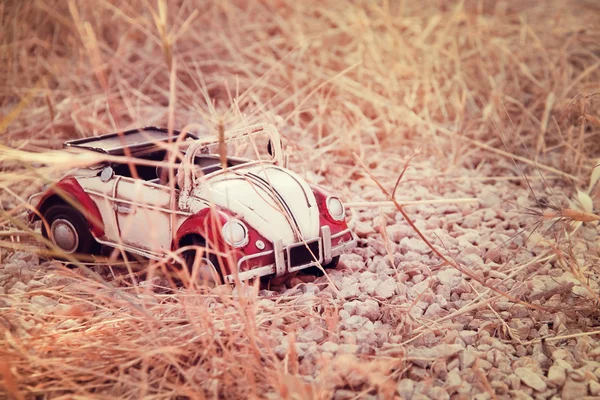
(135, 140)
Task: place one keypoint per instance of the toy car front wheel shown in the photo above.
(316, 271)
(201, 263)
(68, 230)
(333, 263)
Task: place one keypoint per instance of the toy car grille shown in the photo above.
(300, 255)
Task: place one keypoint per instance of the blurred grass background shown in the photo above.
(456, 80)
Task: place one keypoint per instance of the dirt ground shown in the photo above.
(495, 297)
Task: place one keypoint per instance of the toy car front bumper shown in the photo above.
(297, 256)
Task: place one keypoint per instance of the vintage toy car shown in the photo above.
(255, 217)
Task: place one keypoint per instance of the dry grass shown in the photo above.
(463, 82)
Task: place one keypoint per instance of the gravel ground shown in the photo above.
(457, 338)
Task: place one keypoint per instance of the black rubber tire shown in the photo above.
(333, 264)
(190, 255)
(87, 243)
(316, 271)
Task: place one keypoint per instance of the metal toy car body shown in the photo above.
(252, 213)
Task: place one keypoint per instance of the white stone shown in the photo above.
(470, 236)
(471, 221)
(405, 388)
(416, 312)
(419, 288)
(363, 229)
(453, 381)
(386, 289)
(355, 322)
(594, 353)
(498, 275)
(414, 244)
(397, 232)
(17, 288)
(462, 287)
(353, 261)
(531, 379)
(368, 309)
(468, 357)
(344, 315)
(347, 348)
(471, 260)
(302, 348)
(594, 388)
(351, 306)
(468, 337)
(573, 390)
(266, 304)
(488, 199)
(43, 301)
(312, 334)
(433, 310)
(34, 284)
(310, 288)
(449, 277)
(421, 356)
(557, 375)
(330, 347)
(62, 309)
(281, 350)
(370, 285)
(68, 324)
(366, 337)
(350, 291)
(438, 393)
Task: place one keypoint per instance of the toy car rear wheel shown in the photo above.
(67, 229)
(201, 263)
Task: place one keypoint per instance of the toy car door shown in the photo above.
(101, 189)
(143, 213)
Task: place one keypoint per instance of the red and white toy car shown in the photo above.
(255, 217)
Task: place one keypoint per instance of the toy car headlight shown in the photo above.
(336, 208)
(235, 233)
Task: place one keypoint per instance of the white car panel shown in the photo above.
(102, 193)
(143, 214)
(253, 203)
(296, 194)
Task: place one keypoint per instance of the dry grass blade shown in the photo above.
(368, 204)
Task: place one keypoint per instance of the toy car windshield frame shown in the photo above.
(135, 140)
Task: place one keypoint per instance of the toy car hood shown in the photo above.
(278, 203)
